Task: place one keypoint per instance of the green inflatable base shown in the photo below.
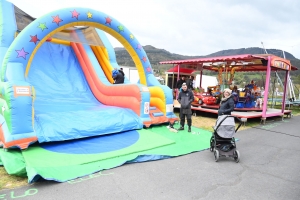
(154, 143)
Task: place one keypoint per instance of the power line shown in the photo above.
(264, 47)
(274, 51)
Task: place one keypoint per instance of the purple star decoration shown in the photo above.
(22, 53)
(139, 47)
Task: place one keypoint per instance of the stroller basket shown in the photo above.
(225, 126)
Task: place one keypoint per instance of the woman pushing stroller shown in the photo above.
(222, 142)
(226, 104)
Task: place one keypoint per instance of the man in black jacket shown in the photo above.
(180, 82)
(185, 98)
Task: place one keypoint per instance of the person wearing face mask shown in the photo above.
(226, 104)
(185, 98)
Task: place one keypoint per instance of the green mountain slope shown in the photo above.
(156, 55)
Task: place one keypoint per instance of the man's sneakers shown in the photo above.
(189, 130)
(181, 128)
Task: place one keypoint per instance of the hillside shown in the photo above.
(156, 55)
(252, 50)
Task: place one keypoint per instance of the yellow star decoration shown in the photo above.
(89, 15)
(131, 36)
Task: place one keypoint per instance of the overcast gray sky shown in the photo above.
(195, 27)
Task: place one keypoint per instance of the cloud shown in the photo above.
(196, 27)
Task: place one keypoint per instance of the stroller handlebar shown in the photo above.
(240, 122)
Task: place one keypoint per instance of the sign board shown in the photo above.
(281, 65)
(22, 91)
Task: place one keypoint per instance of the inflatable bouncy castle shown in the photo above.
(56, 78)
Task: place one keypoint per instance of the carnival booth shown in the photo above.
(251, 97)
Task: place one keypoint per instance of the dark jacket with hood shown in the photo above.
(189, 84)
(185, 98)
(121, 71)
(226, 106)
(179, 83)
(119, 78)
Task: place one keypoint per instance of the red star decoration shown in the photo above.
(148, 69)
(108, 20)
(75, 14)
(56, 20)
(144, 59)
(34, 39)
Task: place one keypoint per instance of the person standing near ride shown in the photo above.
(180, 82)
(178, 86)
(190, 83)
(185, 98)
(226, 104)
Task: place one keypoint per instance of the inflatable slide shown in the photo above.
(56, 79)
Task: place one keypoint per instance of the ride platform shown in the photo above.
(243, 113)
(236, 109)
(246, 114)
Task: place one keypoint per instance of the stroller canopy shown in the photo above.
(225, 126)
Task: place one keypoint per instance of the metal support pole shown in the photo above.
(266, 92)
(201, 72)
(284, 90)
(273, 92)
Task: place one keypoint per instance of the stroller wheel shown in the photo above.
(236, 156)
(216, 154)
(212, 144)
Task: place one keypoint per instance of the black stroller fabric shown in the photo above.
(226, 147)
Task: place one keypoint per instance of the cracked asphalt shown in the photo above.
(269, 169)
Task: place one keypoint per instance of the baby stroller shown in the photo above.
(222, 142)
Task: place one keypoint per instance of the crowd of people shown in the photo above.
(227, 101)
(251, 95)
(190, 82)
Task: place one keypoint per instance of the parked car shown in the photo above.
(204, 98)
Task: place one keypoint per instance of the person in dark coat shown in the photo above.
(226, 104)
(190, 83)
(121, 71)
(180, 82)
(185, 98)
(117, 76)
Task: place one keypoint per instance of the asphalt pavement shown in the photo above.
(269, 168)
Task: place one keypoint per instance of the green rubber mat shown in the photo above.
(185, 142)
(154, 143)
